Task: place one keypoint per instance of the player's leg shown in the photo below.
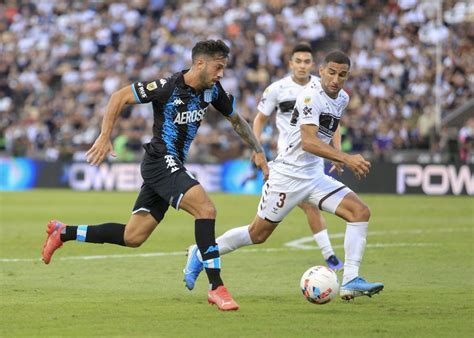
(148, 211)
(256, 232)
(357, 215)
(196, 202)
(59, 232)
(332, 196)
(228, 242)
(317, 225)
(139, 227)
(199, 205)
(276, 202)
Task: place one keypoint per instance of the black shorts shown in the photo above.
(165, 181)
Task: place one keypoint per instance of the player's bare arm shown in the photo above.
(336, 143)
(259, 123)
(103, 145)
(242, 128)
(311, 143)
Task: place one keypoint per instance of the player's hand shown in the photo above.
(261, 162)
(338, 166)
(358, 165)
(99, 150)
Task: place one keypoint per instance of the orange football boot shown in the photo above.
(222, 298)
(53, 241)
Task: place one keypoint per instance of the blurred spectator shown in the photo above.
(61, 60)
(466, 141)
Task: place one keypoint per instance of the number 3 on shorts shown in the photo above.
(281, 202)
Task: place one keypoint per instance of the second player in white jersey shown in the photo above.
(317, 114)
(280, 98)
(315, 120)
(281, 95)
(313, 106)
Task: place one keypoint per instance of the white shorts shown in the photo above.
(281, 193)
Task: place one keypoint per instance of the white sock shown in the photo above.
(354, 246)
(232, 240)
(324, 244)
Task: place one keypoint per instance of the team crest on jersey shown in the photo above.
(151, 86)
(307, 100)
(208, 95)
(307, 111)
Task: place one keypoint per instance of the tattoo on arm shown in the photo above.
(242, 128)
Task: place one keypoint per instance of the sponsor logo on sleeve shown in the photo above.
(141, 90)
(151, 86)
(163, 82)
(307, 111)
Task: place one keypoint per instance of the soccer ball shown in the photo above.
(319, 285)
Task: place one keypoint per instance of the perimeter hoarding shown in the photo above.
(236, 176)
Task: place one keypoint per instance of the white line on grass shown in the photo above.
(182, 253)
(293, 245)
(300, 242)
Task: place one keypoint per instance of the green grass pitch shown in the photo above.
(420, 247)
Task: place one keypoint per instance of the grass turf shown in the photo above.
(419, 246)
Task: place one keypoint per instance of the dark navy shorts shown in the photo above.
(165, 181)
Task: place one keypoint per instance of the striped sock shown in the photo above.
(206, 242)
(102, 233)
(81, 233)
(213, 263)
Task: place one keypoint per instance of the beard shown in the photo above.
(205, 81)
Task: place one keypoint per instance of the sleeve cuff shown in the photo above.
(135, 94)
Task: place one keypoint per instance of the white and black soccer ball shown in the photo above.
(319, 285)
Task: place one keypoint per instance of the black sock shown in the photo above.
(102, 233)
(69, 233)
(204, 233)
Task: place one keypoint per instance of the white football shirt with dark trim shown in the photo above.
(313, 106)
(280, 96)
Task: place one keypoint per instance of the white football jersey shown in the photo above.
(281, 95)
(313, 106)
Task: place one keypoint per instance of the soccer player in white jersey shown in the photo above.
(297, 176)
(281, 96)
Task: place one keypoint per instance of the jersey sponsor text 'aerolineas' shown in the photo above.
(178, 110)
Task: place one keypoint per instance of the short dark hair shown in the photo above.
(213, 48)
(338, 57)
(302, 47)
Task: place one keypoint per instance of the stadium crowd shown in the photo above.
(61, 61)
